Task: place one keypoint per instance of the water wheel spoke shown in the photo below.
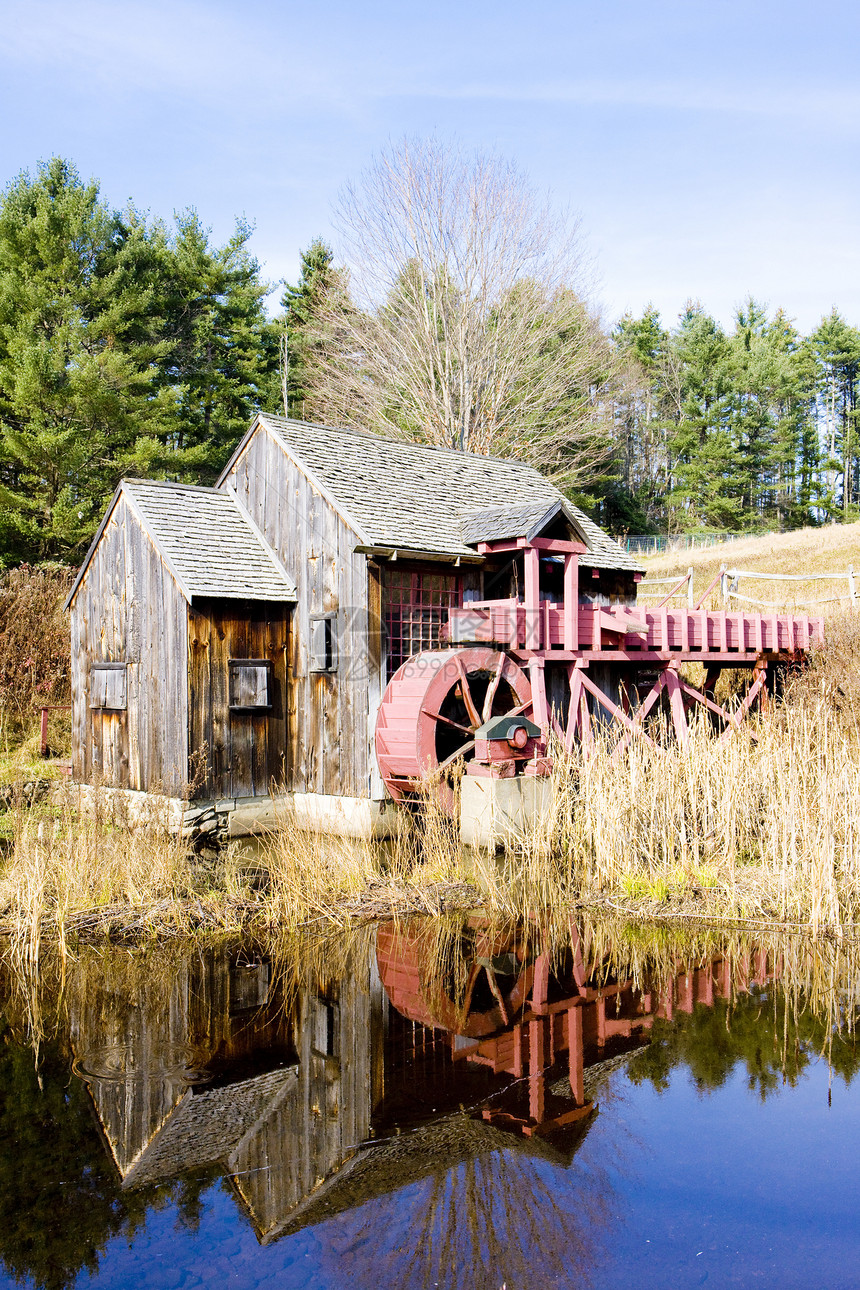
(474, 715)
(437, 716)
(491, 690)
(461, 752)
(490, 974)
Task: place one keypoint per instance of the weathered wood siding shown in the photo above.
(236, 753)
(132, 1034)
(128, 609)
(317, 1123)
(328, 721)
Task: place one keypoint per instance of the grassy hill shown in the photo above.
(827, 550)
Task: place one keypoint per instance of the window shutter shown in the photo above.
(250, 683)
(323, 643)
(108, 686)
(249, 986)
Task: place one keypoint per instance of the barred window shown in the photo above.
(415, 606)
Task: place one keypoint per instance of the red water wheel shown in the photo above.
(489, 992)
(434, 704)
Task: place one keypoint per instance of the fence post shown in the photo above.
(724, 584)
(852, 586)
(691, 599)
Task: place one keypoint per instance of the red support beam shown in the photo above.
(531, 559)
(575, 1054)
(676, 701)
(539, 704)
(571, 602)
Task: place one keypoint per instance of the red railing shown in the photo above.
(633, 630)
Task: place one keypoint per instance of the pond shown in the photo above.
(435, 1103)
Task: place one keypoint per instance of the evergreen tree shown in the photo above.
(124, 349)
(645, 410)
(836, 347)
(222, 361)
(708, 489)
(80, 344)
(303, 306)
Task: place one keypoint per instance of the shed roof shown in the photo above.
(416, 498)
(207, 540)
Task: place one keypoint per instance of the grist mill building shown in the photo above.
(234, 643)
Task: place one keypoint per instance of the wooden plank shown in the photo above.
(375, 674)
(233, 622)
(199, 704)
(336, 746)
(221, 746)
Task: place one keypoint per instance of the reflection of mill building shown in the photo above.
(302, 1106)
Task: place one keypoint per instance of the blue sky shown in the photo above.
(710, 148)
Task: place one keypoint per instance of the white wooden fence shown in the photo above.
(730, 578)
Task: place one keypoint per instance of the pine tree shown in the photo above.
(222, 361)
(708, 482)
(836, 346)
(303, 307)
(80, 343)
(645, 408)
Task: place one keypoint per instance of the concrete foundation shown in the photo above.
(235, 817)
(345, 817)
(496, 812)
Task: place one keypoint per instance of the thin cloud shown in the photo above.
(812, 103)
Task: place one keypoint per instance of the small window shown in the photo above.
(323, 654)
(249, 986)
(323, 1022)
(107, 686)
(250, 684)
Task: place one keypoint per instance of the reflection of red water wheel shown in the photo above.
(498, 976)
(434, 704)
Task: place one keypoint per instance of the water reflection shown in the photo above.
(418, 1089)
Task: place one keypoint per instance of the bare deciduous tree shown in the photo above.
(460, 319)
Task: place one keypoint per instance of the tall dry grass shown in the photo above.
(764, 826)
(60, 862)
(825, 550)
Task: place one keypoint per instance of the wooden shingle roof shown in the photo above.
(205, 538)
(411, 497)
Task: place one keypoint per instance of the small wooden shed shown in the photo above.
(242, 637)
(180, 624)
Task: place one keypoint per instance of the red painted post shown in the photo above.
(575, 675)
(571, 602)
(575, 1055)
(676, 701)
(537, 1062)
(532, 597)
(539, 705)
(518, 1052)
(540, 985)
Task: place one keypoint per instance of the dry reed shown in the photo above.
(763, 827)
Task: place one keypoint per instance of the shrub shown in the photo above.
(35, 652)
